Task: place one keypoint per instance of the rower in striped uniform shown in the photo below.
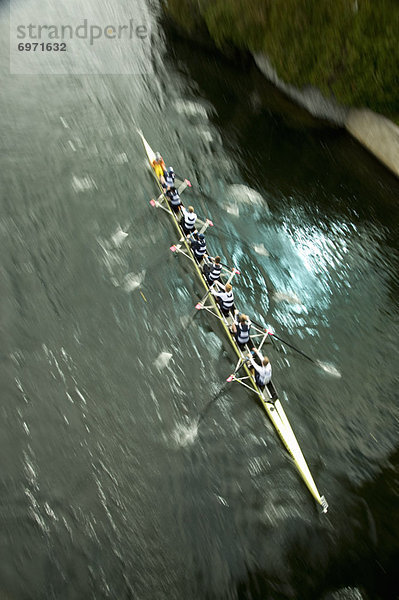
(188, 221)
(212, 271)
(198, 245)
(174, 199)
(169, 177)
(241, 328)
(225, 299)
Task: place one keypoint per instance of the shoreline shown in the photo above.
(375, 132)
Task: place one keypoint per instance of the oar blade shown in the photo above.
(329, 368)
(323, 504)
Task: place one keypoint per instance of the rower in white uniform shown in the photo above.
(263, 371)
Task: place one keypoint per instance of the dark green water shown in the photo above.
(108, 488)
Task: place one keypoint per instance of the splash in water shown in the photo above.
(246, 195)
(221, 500)
(133, 281)
(162, 360)
(118, 237)
(329, 368)
(260, 249)
(285, 297)
(83, 184)
(232, 209)
(185, 435)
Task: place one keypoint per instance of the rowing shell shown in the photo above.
(273, 408)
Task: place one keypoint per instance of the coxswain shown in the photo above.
(169, 178)
(188, 221)
(213, 270)
(225, 299)
(174, 199)
(263, 371)
(241, 328)
(159, 166)
(198, 245)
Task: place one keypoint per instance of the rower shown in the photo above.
(225, 299)
(198, 245)
(159, 166)
(174, 199)
(169, 177)
(263, 371)
(188, 221)
(241, 328)
(212, 271)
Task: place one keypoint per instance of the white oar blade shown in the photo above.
(324, 504)
(329, 368)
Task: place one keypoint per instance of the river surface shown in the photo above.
(109, 486)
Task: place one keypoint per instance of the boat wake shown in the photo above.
(185, 435)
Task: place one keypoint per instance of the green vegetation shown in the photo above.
(346, 48)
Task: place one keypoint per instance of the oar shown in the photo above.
(184, 179)
(207, 407)
(221, 390)
(239, 239)
(325, 366)
(225, 265)
(200, 305)
(191, 317)
(229, 267)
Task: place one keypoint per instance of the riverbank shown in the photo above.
(351, 93)
(374, 131)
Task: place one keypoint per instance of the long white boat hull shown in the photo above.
(274, 409)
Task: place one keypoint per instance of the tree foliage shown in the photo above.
(346, 48)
